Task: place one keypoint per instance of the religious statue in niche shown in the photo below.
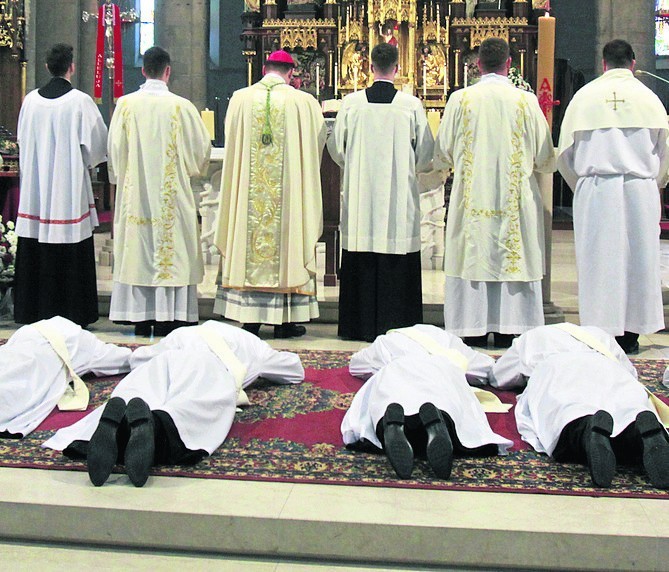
(355, 66)
(434, 60)
(251, 5)
(388, 32)
(541, 4)
(471, 7)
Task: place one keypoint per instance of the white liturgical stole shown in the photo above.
(76, 394)
(222, 350)
(488, 400)
(661, 408)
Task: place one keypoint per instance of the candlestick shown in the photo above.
(546, 66)
(355, 79)
(318, 81)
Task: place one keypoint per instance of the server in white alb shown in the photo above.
(421, 405)
(421, 340)
(583, 403)
(178, 403)
(36, 371)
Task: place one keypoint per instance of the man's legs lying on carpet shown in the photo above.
(588, 441)
(430, 433)
(135, 436)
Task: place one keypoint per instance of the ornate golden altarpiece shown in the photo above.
(438, 41)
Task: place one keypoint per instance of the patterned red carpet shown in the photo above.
(291, 434)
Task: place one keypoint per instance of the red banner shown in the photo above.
(112, 13)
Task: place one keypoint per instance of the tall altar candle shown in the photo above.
(318, 80)
(445, 82)
(546, 65)
(466, 74)
(209, 122)
(438, 24)
(336, 81)
(424, 80)
(355, 79)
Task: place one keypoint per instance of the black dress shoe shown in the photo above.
(598, 451)
(395, 442)
(143, 329)
(476, 341)
(103, 448)
(629, 342)
(655, 449)
(439, 444)
(139, 454)
(289, 331)
(162, 329)
(502, 341)
(252, 328)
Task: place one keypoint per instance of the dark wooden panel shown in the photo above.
(10, 89)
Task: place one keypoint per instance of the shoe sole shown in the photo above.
(439, 445)
(655, 449)
(139, 454)
(102, 448)
(396, 446)
(601, 460)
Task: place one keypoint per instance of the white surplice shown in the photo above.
(380, 209)
(411, 381)
(33, 378)
(60, 140)
(393, 345)
(495, 137)
(565, 380)
(183, 377)
(157, 142)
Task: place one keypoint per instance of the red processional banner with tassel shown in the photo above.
(114, 13)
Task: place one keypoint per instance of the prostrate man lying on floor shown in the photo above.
(178, 403)
(40, 367)
(583, 402)
(421, 404)
(421, 339)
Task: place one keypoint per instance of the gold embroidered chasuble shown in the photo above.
(495, 137)
(270, 215)
(157, 142)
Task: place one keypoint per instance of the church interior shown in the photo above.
(52, 518)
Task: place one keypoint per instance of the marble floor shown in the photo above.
(50, 519)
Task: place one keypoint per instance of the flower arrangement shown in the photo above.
(8, 147)
(8, 241)
(519, 81)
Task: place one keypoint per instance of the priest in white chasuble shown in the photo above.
(582, 402)
(613, 154)
(157, 142)
(271, 212)
(495, 137)
(382, 140)
(62, 135)
(178, 403)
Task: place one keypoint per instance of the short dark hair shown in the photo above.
(279, 67)
(156, 61)
(59, 58)
(493, 54)
(618, 54)
(385, 57)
